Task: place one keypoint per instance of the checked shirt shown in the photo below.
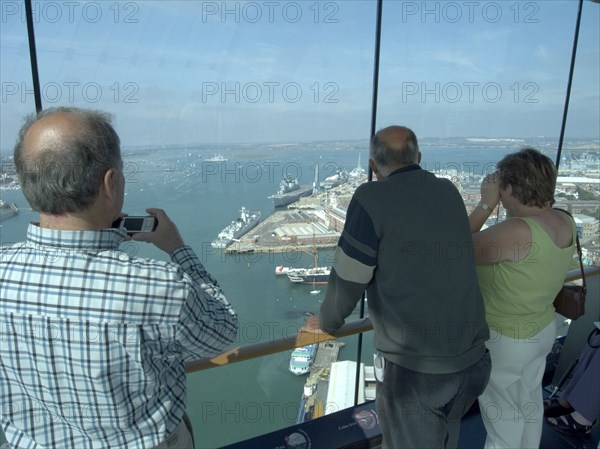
(93, 341)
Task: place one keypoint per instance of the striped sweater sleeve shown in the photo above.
(354, 263)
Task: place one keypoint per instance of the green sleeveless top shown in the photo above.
(518, 296)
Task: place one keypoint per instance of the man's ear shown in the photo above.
(376, 170)
(110, 184)
(373, 166)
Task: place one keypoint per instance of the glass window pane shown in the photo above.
(15, 73)
(477, 81)
(17, 97)
(17, 102)
(578, 188)
(488, 70)
(215, 103)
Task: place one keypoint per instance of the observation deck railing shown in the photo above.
(256, 350)
(577, 332)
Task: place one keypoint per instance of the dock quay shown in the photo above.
(314, 397)
(288, 231)
(330, 386)
(311, 222)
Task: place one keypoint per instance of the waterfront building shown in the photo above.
(588, 227)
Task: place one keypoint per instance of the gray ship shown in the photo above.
(290, 191)
(237, 228)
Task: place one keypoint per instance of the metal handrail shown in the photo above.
(590, 270)
(255, 350)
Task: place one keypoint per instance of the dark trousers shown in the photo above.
(418, 410)
(583, 391)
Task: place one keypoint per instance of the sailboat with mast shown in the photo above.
(315, 275)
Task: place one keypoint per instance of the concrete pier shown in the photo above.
(314, 396)
(312, 222)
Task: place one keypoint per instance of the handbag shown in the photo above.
(570, 300)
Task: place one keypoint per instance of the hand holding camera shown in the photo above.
(157, 228)
(133, 225)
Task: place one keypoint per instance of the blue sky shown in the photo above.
(219, 72)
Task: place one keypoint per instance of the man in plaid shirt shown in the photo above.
(93, 341)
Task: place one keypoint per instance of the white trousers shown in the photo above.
(512, 404)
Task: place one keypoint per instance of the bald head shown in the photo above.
(394, 147)
(61, 157)
(50, 132)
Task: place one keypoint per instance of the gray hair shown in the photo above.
(66, 175)
(386, 155)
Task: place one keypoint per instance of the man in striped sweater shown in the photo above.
(406, 241)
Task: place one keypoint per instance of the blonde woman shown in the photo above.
(521, 266)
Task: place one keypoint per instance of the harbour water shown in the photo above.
(235, 402)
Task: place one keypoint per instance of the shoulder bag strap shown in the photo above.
(579, 253)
